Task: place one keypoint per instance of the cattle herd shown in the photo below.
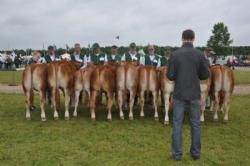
(122, 83)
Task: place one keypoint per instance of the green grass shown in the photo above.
(242, 77)
(7, 77)
(140, 142)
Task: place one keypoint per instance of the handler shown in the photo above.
(132, 55)
(114, 57)
(77, 56)
(97, 57)
(187, 66)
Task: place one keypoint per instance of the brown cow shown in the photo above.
(148, 82)
(102, 79)
(61, 76)
(204, 86)
(166, 87)
(222, 85)
(126, 81)
(82, 83)
(35, 78)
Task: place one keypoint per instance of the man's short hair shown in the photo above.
(50, 47)
(188, 34)
(151, 46)
(77, 45)
(114, 46)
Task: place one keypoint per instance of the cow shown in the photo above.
(166, 88)
(35, 77)
(82, 83)
(126, 82)
(222, 86)
(148, 82)
(205, 87)
(61, 75)
(102, 80)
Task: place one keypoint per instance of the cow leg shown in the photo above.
(120, 103)
(54, 97)
(110, 103)
(155, 105)
(77, 94)
(166, 103)
(93, 104)
(227, 101)
(88, 98)
(142, 102)
(131, 103)
(203, 106)
(28, 104)
(211, 105)
(42, 102)
(216, 105)
(67, 103)
(32, 107)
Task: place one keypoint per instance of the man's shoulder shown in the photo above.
(197, 51)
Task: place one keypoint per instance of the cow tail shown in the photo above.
(147, 83)
(221, 93)
(31, 78)
(125, 75)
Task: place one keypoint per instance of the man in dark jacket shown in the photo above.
(187, 66)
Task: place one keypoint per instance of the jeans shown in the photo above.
(178, 116)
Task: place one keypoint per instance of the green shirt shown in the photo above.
(114, 58)
(129, 57)
(98, 59)
(77, 58)
(152, 61)
(164, 61)
(48, 59)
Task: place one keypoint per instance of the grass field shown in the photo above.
(242, 77)
(6, 77)
(140, 142)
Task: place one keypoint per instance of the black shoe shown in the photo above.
(196, 157)
(176, 158)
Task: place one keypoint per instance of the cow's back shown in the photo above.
(35, 76)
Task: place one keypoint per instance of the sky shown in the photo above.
(34, 23)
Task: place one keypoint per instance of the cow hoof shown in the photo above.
(66, 118)
(202, 122)
(75, 115)
(56, 118)
(43, 119)
(225, 121)
(109, 120)
(122, 117)
(216, 120)
(131, 118)
(28, 118)
(93, 119)
(166, 122)
(156, 119)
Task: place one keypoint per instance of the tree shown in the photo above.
(220, 40)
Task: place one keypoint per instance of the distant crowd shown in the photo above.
(96, 56)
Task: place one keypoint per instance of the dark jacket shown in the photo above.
(187, 66)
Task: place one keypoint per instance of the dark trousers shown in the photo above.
(178, 116)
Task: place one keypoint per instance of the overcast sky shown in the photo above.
(30, 23)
